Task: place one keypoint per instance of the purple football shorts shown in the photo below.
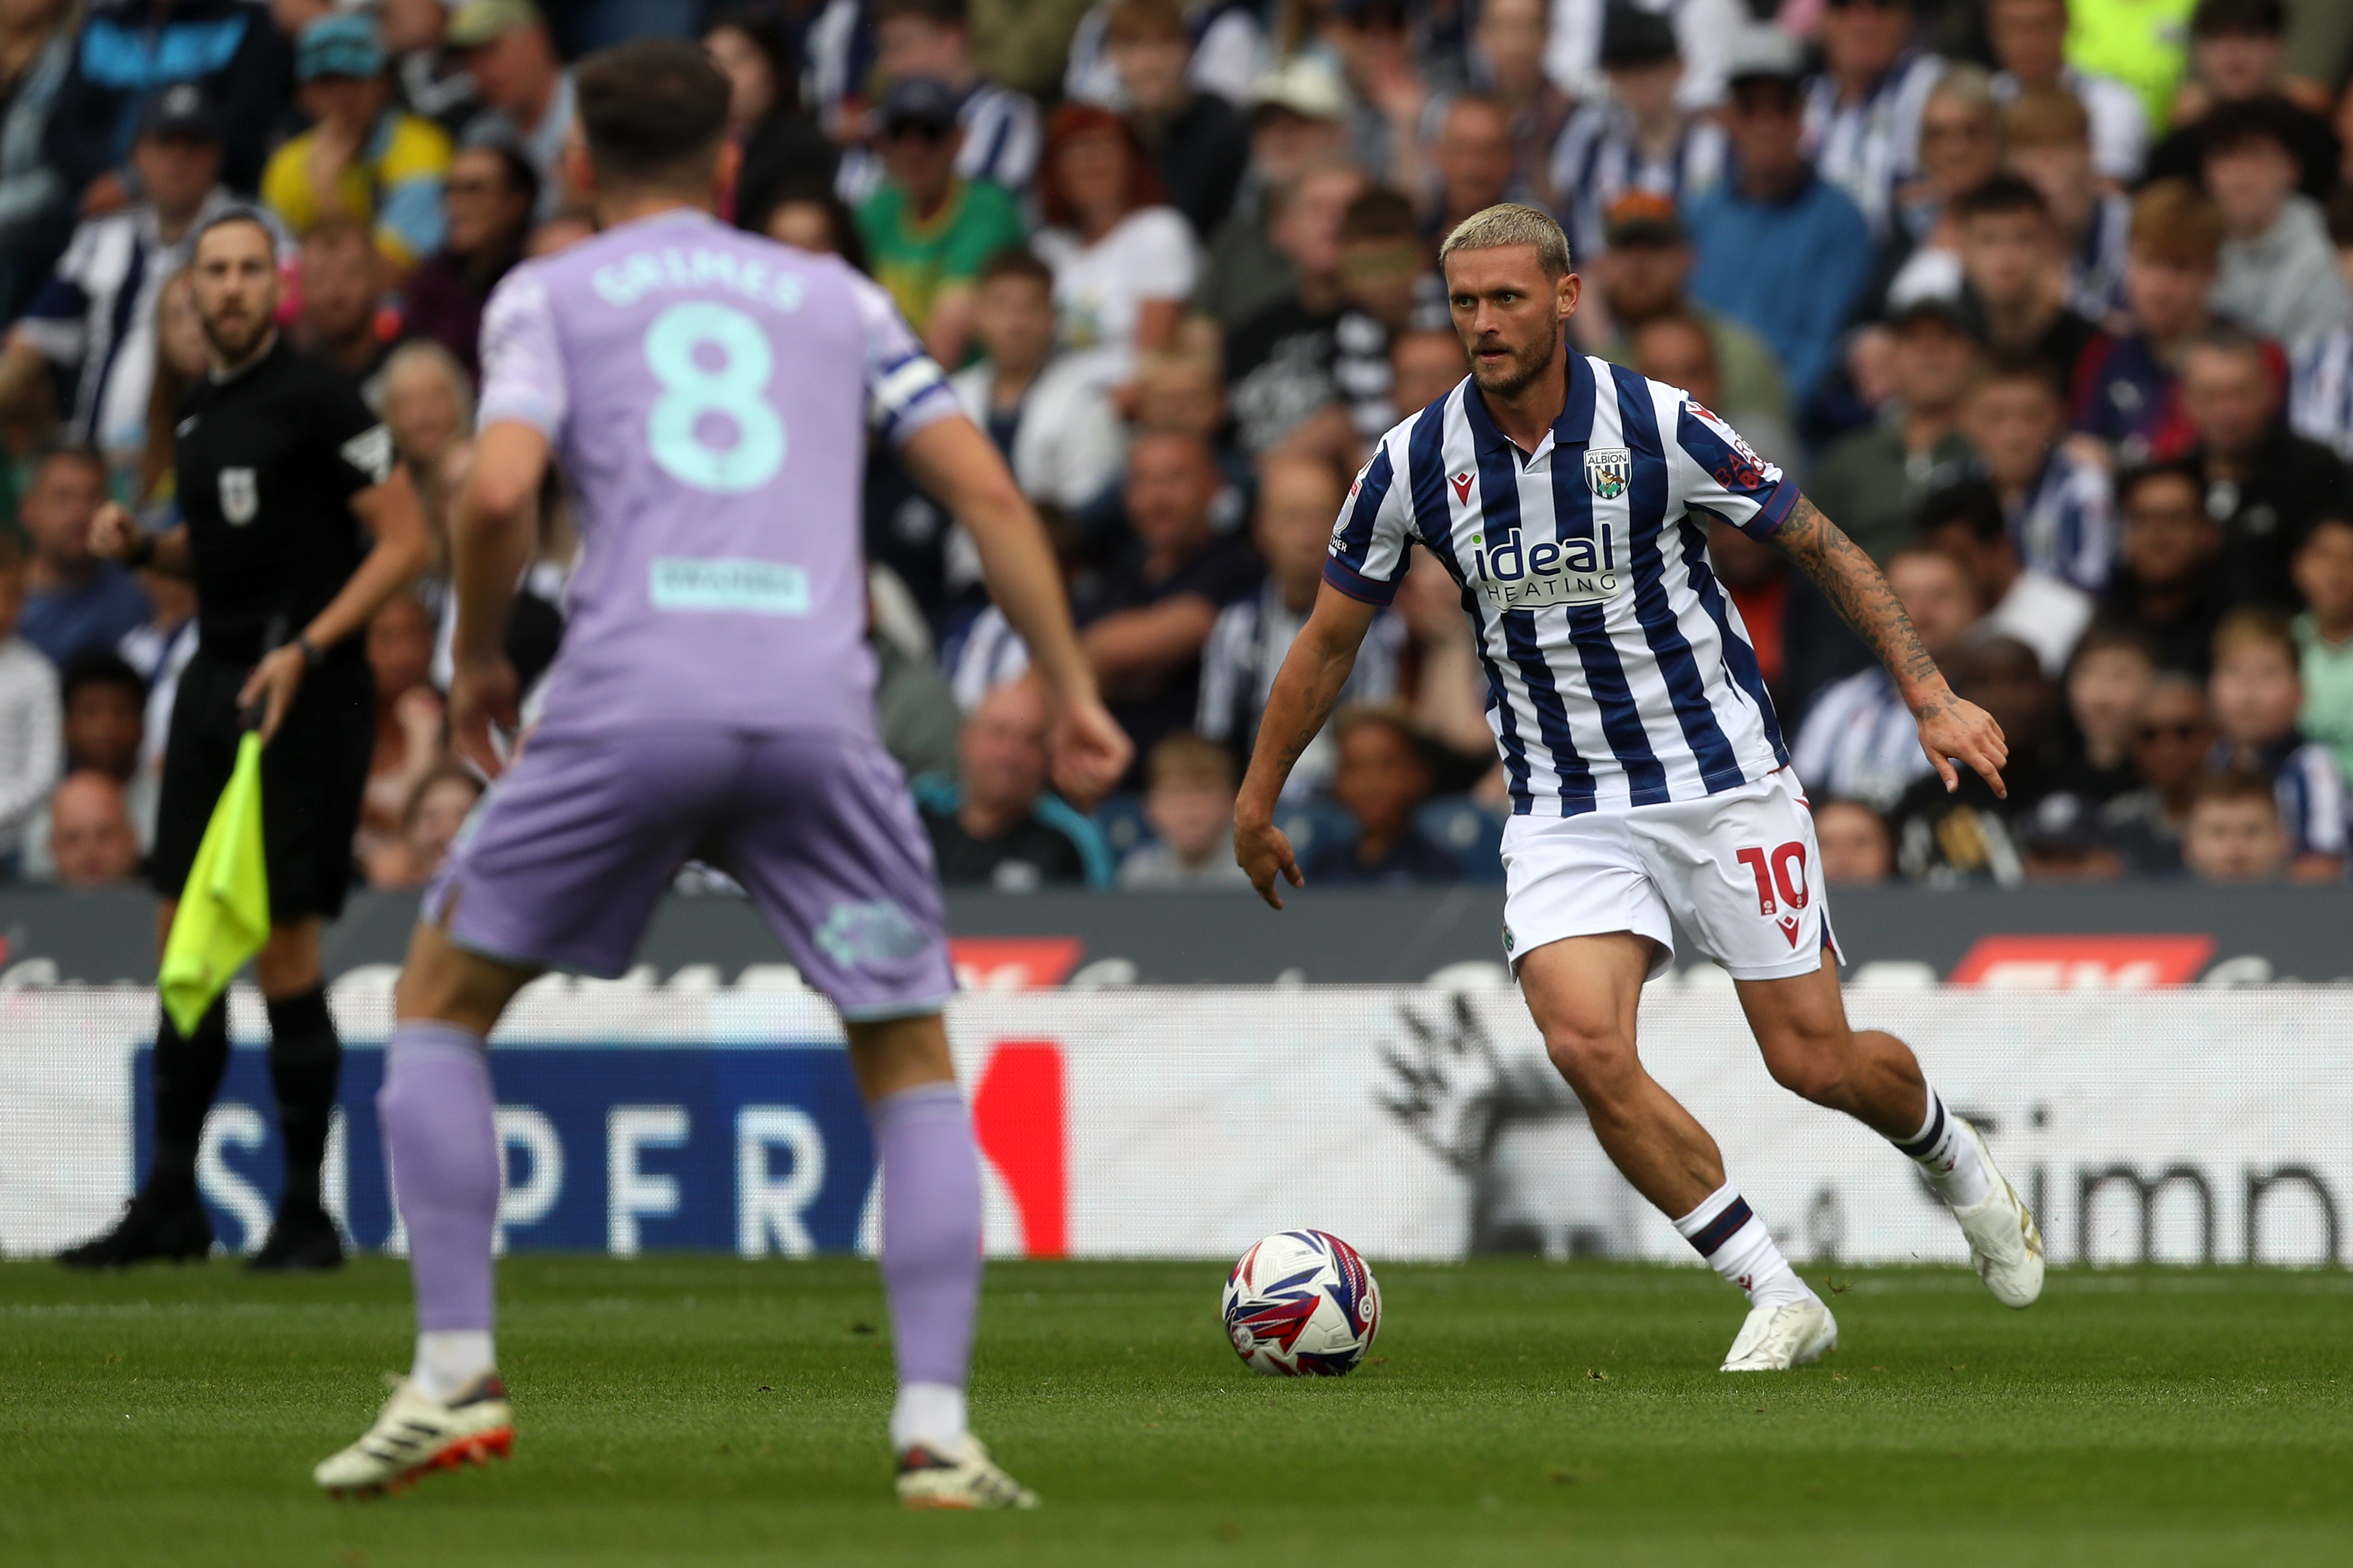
(562, 865)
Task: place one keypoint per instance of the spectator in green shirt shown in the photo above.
(928, 231)
(2324, 575)
(1872, 482)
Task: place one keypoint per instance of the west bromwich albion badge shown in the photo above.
(1608, 471)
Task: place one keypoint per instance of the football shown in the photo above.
(1302, 1303)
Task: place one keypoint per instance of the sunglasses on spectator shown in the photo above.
(2180, 730)
(916, 131)
(1868, 4)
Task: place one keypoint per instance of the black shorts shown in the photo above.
(313, 772)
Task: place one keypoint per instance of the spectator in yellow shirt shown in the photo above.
(363, 160)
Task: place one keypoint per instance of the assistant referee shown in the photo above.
(296, 527)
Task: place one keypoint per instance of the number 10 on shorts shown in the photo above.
(1783, 868)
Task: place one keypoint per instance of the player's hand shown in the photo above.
(481, 695)
(1090, 751)
(1952, 729)
(273, 683)
(1263, 850)
(112, 532)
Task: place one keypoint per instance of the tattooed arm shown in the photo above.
(1950, 728)
(1305, 689)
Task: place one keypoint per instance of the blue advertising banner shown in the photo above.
(607, 1148)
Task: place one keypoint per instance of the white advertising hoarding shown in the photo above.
(2181, 1125)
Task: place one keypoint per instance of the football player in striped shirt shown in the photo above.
(1650, 785)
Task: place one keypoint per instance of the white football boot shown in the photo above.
(968, 1480)
(416, 1433)
(1776, 1337)
(2004, 1245)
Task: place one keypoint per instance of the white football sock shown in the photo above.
(930, 1414)
(1947, 1157)
(1727, 1233)
(450, 1360)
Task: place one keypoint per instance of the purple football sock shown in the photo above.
(436, 1107)
(931, 1229)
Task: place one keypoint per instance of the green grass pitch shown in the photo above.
(677, 1410)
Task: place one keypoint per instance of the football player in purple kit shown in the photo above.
(708, 395)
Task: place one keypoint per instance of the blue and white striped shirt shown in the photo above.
(1598, 160)
(1870, 147)
(1619, 673)
(2067, 524)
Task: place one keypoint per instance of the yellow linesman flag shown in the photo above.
(224, 914)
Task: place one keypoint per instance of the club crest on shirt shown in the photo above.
(1608, 470)
(240, 497)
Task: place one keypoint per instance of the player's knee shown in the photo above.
(1810, 1065)
(1595, 1055)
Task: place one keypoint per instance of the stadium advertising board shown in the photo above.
(2185, 1125)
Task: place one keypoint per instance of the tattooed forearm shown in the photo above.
(1854, 583)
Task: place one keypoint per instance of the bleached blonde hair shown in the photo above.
(1509, 222)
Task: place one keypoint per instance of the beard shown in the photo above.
(236, 340)
(1522, 370)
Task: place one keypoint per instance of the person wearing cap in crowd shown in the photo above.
(1862, 112)
(1642, 274)
(1294, 126)
(363, 160)
(1875, 479)
(2030, 44)
(1633, 135)
(929, 230)
(527, 94)
(95, 316)
(1781, 249)
(128, 51)
(1002, 135)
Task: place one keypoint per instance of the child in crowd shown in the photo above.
(31, 748)
(2256, 694)
(1383, 776)
(2324, 633)
(1190, 805)
(2233, 833)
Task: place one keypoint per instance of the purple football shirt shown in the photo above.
(707, 394)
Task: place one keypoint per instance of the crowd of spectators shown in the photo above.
(2049, 305)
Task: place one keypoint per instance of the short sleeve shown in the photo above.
(904, 389)
(523, 359)
(345, 424)
(1367, 558)
(1719, 474)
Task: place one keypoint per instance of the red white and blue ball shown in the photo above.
(1302, 1304)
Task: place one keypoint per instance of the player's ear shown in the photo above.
(1569, 288)
(724, 168)
(579, 171)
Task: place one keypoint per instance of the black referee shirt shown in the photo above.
(269, 460)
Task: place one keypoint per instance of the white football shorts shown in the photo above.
(1738, 871)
